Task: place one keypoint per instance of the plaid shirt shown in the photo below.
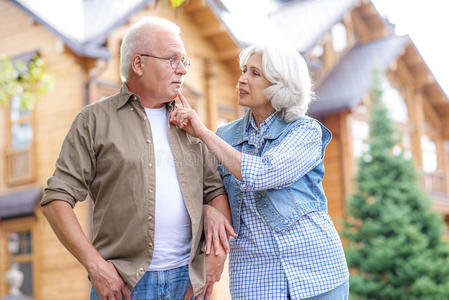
(307, 259)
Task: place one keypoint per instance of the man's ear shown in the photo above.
(137, 65)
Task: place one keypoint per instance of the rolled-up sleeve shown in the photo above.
(212, 183)
(76, 165)
(298, 152)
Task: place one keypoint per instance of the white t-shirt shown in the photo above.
(173, 231)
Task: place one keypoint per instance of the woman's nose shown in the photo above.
(243, 79)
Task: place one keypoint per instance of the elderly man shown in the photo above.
(148, 181)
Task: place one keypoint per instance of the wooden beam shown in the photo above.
(359, 26)
(446, 134)
(423, 78)
(194, 6)
(431, 114)
(228, 54)
(208, 32)
(404, 74)
(347, 153)
(416, 112)
(442, 109)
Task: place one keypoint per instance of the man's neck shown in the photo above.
(148, 101)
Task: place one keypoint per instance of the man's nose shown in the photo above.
(181, 69)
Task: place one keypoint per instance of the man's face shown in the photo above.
(161, 80)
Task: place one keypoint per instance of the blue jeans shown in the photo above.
(160, 285)
(339, 293)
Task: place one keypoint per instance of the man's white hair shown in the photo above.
(136, 34)
(286, 69)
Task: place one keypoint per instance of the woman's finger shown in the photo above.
(230, 230)
(216, 241)
(183, 100)
(208, 242)
(224, 239)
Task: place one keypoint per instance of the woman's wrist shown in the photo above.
(204, 134)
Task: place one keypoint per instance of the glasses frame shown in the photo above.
(174, 60)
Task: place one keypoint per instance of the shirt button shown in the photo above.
(150, 218)
(150, 244)
(150, 190)
(137, 275)
(141, 269)
(150, 165)
(144, 118)
(265, 206)
(148, 142)
(131, 109)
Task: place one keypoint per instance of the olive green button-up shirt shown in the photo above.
(108, 154)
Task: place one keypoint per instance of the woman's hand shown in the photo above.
(217, 229)
(187, 119)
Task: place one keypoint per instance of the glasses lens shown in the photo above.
(186, 62)
(174, 61)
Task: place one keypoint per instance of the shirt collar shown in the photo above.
(263, 126)
(125, 95)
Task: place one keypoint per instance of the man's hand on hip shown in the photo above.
(107, 282)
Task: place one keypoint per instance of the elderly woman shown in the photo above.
(271, 162)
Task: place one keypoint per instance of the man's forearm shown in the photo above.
(62, 219)
(221, 204)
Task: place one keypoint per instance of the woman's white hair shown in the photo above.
(285, 68)
(136, 34)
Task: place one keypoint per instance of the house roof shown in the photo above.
(352, 77)
(19, 204)
(309, 20)
(80, 24)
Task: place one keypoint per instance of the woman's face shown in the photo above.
(252, 84)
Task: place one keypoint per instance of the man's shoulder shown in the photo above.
(102, 105)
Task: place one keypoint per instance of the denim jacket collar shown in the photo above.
(276, 129)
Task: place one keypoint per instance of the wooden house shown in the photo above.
(79, 43)
(343, 41)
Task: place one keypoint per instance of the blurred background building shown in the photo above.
(343, 42)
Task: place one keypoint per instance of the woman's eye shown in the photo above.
(256, 73)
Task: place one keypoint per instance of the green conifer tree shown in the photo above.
(395, 247)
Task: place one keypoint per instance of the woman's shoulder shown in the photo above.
(230, 128)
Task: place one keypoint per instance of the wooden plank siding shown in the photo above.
(334, 179)
(58, 275)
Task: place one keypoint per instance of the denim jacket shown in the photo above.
(279, 208)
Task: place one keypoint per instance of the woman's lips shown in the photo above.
(243, 92)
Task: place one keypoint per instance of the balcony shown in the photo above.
(435, 184)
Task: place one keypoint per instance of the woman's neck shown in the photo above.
(260, 116)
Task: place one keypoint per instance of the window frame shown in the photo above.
(11, 152)
(19, 225)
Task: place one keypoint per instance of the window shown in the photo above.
(21, 126)
(360, 134)
(339, 37)
(20, 149)
(429, 155)
(24, 254)
(392, 99)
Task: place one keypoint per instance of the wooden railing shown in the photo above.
(435, 182)
(20, 166)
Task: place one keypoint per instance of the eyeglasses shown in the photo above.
(174, 61)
